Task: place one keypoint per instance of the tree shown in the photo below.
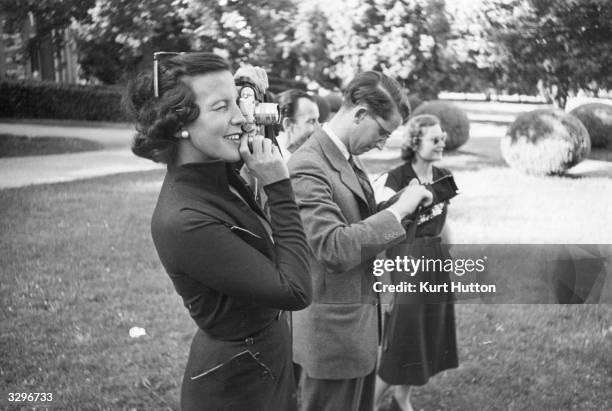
(51, 19)
(404, 39)
(558, 47)
(259, 32)
(123, 34)
(473, 54)
(310, 44)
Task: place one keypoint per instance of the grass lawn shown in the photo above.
(20, 146)
(79, 270)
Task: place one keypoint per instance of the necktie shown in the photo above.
(364, 182)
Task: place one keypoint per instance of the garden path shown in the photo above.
(114, 158)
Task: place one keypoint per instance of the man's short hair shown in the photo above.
(379, 92)
(288, 103)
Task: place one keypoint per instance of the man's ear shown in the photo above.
(286, 122)
(359, 114)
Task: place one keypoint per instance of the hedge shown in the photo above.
(41, 99)
(27, 99)
(453, 119)
(545, 142)
(597, 118)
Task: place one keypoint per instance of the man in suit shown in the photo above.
(336, 338)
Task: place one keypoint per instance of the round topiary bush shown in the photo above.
(414, 100)
(597, 118)
(545, 142)
(454, 121)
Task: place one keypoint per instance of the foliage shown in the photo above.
(310, 43)
(406, 40)
(51, 17)
(545, 142)
(453, 119)
(123, 34)
(557, 47)
(21, 99)
(414, 100)
(597, 118)
(473, 53)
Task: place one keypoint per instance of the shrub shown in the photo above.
(453, 119)
(414, 101)
(597, 118)
(545, 142)
(27, 99)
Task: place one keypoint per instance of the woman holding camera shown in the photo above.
(236, 270)
(419, 336)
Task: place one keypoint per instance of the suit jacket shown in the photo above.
(337, 336)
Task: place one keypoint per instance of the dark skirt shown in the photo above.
(419, 339)
(251, 374)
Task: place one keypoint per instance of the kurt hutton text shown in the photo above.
(427, 287)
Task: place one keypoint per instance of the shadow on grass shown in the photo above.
(601, 154)
(23, 146)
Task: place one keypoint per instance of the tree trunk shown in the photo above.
(47, 60)
(561, 96)
(2, 55)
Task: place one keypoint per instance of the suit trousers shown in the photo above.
(356, 394)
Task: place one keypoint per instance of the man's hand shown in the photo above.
(411, 197)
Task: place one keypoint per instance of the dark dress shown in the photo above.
(419, 339)
(234, 280)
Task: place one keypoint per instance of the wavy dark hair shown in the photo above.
(288, 103)
(414, 133)
(160, 119)
(379, 92)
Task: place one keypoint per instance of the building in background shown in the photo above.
(24, 56)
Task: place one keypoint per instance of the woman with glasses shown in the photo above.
(419, 338)
(236, 270)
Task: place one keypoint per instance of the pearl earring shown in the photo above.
(184, 133)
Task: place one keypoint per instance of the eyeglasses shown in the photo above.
(382, 132)
(158, 55)
(438, 139)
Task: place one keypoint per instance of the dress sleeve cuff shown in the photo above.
(281, 188)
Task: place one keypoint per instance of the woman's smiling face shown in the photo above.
(431, 145)
(215, 134)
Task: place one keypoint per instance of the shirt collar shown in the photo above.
(283, 142)
(336, 140)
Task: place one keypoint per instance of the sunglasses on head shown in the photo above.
(157, 56)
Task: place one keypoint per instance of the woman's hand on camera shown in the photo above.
(264, 162)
